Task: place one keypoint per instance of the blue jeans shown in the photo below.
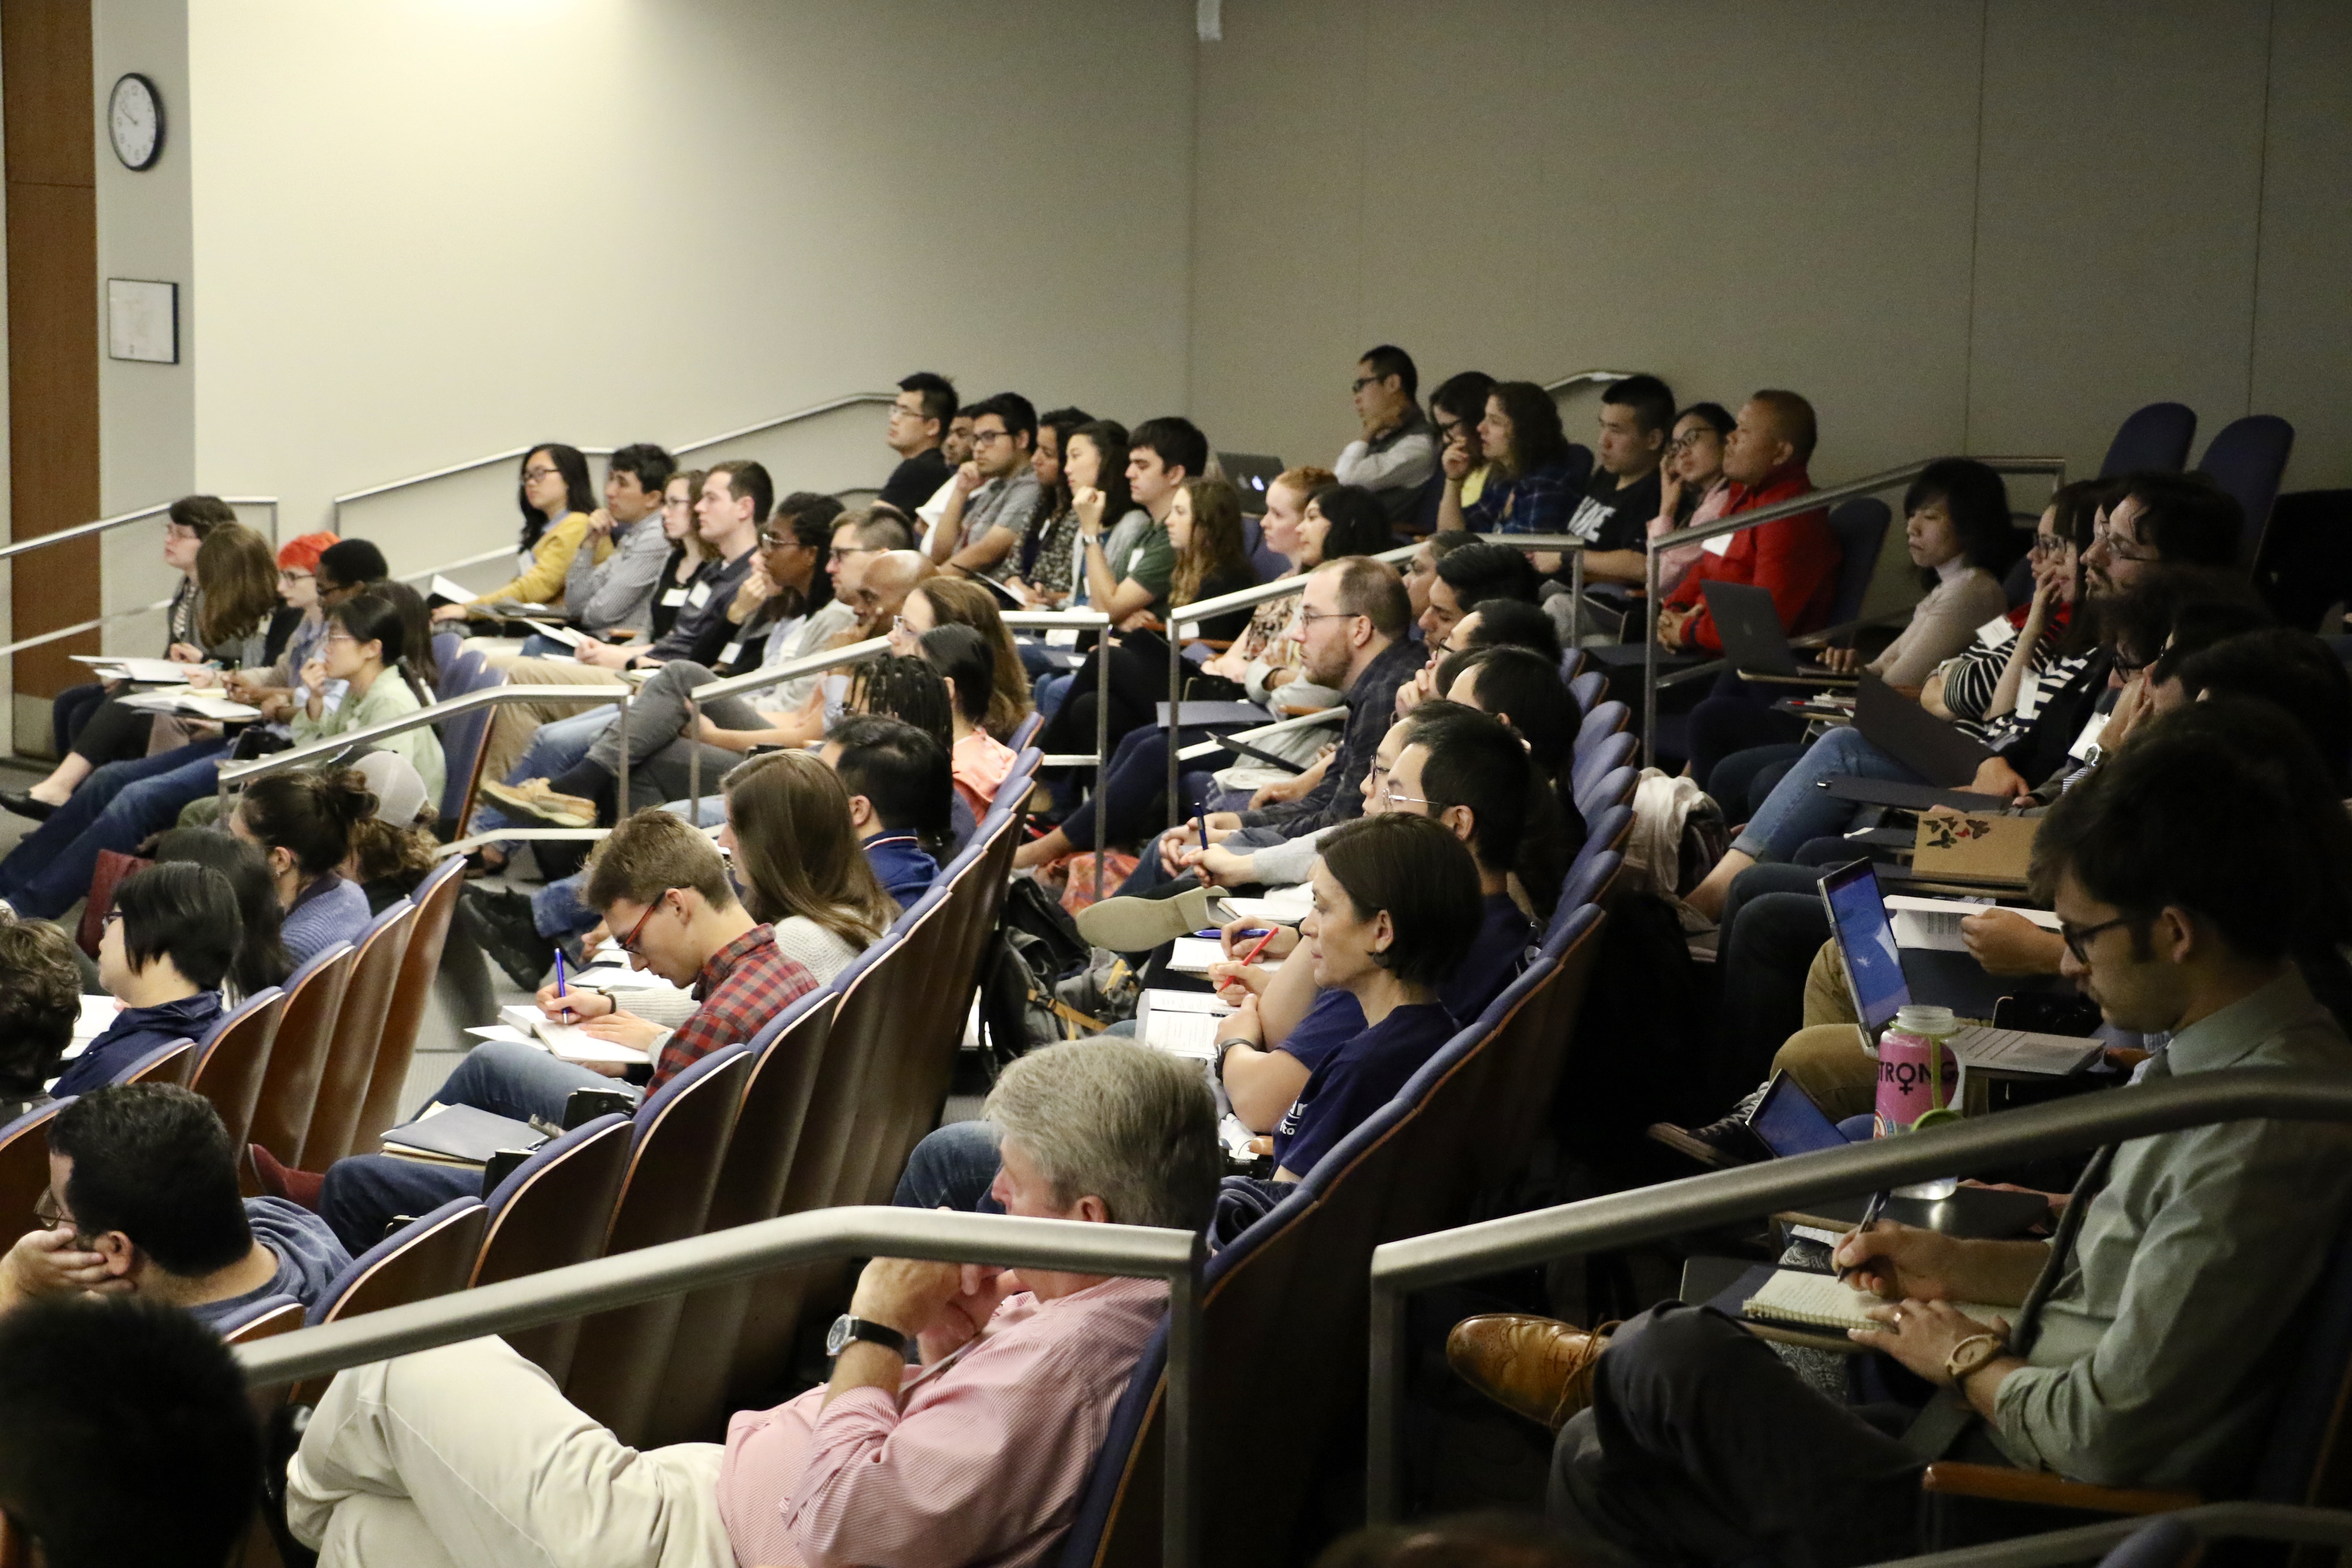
(116, 807)
(953, 1168)
(557, 747)
(1136, 776)
(558, 910)
(1050, 691)
(1797, 810)
(364, 1193)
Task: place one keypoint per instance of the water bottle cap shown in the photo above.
(1918, 1019)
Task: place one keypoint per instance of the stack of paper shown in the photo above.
(1935, 924)
(569, 1041)
(1280, 906)
(1182, 1022)
(188, 700)
(114, 666)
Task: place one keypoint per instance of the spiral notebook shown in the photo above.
(1823, 1301)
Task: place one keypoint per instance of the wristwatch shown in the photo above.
(1971, 1356)
(846, 1328)
(1224, 1049)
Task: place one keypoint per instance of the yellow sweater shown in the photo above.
(550, 561)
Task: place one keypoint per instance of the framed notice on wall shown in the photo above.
(142, 320)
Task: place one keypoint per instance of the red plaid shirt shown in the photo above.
(745, 985)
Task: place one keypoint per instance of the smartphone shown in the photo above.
(836, 697)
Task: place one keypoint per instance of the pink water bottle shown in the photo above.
(1918, 1082)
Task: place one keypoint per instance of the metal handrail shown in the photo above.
(2211, 1521)
(1279, 727)
(89, 530)
(488, 697)
(515, 454)
(759, 680)
(1209, 609)
(721, 1257)
(1811, 500)
(1565, 382)
(1646, 1214)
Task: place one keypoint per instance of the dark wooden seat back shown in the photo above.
(298, 1057)
(352, 1052)
(230, 1066)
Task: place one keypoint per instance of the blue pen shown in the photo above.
(559, 978)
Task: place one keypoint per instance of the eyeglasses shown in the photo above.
(1307, 617)
(533, 475)
(2077, 938)
(771, 539)
(989, 438)
(2047, 544)
(1395, 796)
(629, 943)
(112, 917)
(1685, 441)
(338, 634)
(287, 574)
(2116, 551)
(50, 1213)
(1362, 382)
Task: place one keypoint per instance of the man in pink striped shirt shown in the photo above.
(469, 1454)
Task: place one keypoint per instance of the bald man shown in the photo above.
(1796, 558)
(876, 586)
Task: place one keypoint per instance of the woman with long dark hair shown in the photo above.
(1044, 567)
(556, 496)
(1533, 482)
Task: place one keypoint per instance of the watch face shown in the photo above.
(836, 1338)
(134, 121)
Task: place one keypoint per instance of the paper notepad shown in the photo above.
(569, 1041)
(1935, 924)
(188, 700)
(443, 588)
(1820, 1301)
(1182, 1022)
(169, 673)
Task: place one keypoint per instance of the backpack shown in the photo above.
(1678, 836)
(1034, 944)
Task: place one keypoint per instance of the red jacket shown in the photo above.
(1796, 558)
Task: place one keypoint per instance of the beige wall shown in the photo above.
(429, 229)
(1991, 228)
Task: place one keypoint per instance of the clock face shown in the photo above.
(134, 120)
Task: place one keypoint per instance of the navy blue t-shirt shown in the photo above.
(1355, 1080)
(134, 1032)
(1496, 956)
(904, 867)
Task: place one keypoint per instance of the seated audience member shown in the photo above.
(40, 998)
(611, 583)
(168, 945)
(1469, 771)
(2144, 1355)
(875, 531)
(919, 416)
(1795, 558)
(1522, 689)
(954, 601)
(1958, 530)
(1534, 476)
(1637, 416)
(1507, 623)
(1454, 410)
(393, 848)
(126, 1435)
(687, 553)
(1130, 560)
(347, 566)
(1397, 905)
(898, 783)
(2169, 522)
(1468, 576)
(663, 890)
(991, 496)
(978, 759)
(876, 590)
(1692, 488)
(261, 958)
(734, 503)
(1351, 630)
(301, 820)
(784, 610)
(366, 648)
(1284, 529)
(1397, 452)
(556, 497)
(220, 611)
(1043, 551)
(143, 1200)
(955, 451)
(978, 1455)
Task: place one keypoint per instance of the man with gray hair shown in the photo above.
(964, 1412)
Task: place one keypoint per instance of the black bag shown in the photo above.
(1035, 943)
(1640, 1052)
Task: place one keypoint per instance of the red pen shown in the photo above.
(1251, 956)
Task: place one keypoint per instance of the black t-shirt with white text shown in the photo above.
(1609, 518)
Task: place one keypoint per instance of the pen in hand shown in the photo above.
(1869, 1219)
(561, 988)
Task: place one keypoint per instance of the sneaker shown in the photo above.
(1139, 925)
(502, 923)
(1718, 1145)
(536, 800)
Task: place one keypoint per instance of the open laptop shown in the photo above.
(1874, 980)
(1753, 641)
(1943, 753)
(1251, 472)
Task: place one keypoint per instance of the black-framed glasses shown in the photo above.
(1308, 617)
(2079, 937)
(1362, 382)
(2047, 544)
(989, 438)
(48, 1212)
(530, 474)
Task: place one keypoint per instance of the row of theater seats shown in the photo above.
(1286, 1304)
(821, 1108)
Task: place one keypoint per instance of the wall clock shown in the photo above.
(134, 121)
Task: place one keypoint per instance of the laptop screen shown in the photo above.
(1866, 941)
(1789, 1124)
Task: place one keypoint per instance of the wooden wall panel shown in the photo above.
(53, 348)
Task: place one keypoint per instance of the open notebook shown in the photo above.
(1823, 1302)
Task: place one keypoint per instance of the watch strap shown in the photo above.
(848, 1328)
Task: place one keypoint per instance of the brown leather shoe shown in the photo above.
(1536, 1367)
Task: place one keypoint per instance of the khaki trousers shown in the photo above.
(468, 1456)
(513, 725)
(1825, 1057)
